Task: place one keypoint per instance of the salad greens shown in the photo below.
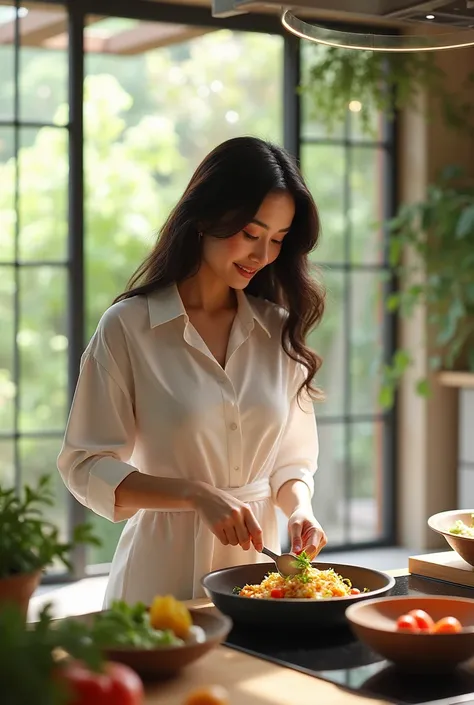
(459, 528)
(129, 625)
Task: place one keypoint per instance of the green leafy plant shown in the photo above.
(439, 234)
(29, 657)
(28, 541)
(381, 82)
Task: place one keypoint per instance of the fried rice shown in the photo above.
(312, 584)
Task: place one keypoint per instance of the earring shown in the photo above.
(200, 234)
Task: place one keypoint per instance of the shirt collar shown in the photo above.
(166, 305)
(248, 312)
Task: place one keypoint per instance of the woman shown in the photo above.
(192, 417)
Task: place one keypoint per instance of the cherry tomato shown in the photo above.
(208, 695)
(447, 625)
(407, 623)
(116, 685)
(355, 591)
(424, 621)
(277, 593)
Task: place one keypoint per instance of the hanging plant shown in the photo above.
(380, 82)
(438, 233)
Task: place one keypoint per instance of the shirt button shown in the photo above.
(236, 468)
(233, 426)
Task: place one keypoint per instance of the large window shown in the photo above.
(159, 92)
(150, 117)
(33, 246)
(350, 173)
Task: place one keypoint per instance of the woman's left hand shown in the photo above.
(306, 533)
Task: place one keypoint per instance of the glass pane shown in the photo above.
(7, 193)
(109, 534)
(328, 340)
(7, 342)
(99, 33)
(311, 126)
(364, 125)
(367, 317)
(44, 65)
(329, 495)
(43, 165)
(7, 72)
(7, 462)
(367, 211)
(42, 342)
(367, 473)
(323, 167)
(38, 457)
(151, 115)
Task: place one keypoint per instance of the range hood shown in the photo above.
(395, 25)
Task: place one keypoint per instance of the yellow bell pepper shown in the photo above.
(168, 613)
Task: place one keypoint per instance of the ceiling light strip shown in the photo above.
(375, 42)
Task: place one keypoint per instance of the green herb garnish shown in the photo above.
(236, 590)
(302, 561)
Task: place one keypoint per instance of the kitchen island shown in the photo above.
(317, 667)
(253, 681)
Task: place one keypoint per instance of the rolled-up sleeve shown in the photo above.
(99, 440)
(297, 457)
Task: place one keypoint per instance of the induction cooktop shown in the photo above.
(337, 655)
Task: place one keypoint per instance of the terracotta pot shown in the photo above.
(18, 589)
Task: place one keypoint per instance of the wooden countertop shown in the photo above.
(251, 680)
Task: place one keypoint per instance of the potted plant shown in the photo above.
(438, 233)
(29, 542)
(55, 663)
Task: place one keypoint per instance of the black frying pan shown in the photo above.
(219, 586)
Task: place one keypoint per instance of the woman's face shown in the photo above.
(235, 260)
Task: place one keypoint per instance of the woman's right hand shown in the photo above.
(231, 520)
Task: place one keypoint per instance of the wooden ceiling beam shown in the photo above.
(150, 35)
(34, 28)
(49, 30)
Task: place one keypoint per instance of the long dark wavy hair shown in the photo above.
(222, 197)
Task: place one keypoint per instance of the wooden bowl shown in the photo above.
(162, 662)
(374, 623)
(442, 522)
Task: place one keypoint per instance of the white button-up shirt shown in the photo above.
(151, 397)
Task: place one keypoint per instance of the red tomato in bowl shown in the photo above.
(407, 623)
(116, 685)
(447, 625)
(423, 620)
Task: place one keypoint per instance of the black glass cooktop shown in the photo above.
(337, 656)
